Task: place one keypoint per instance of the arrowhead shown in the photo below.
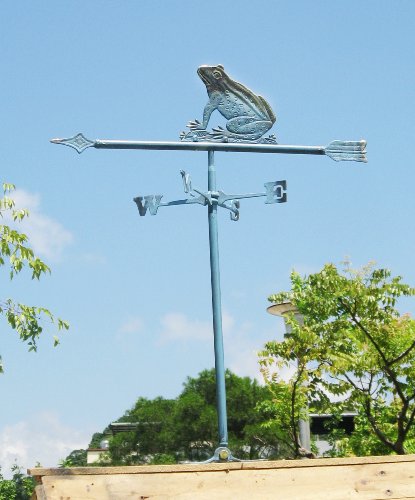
(78, 142)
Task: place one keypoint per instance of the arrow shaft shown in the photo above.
(209, 146)
(337, 150)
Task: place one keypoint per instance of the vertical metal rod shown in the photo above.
(305, 440)
(216, 307)
(304, 429)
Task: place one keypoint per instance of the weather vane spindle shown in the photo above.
(249, 117)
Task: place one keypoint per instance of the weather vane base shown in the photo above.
(222, 454)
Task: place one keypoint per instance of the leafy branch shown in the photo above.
(360, 352)
(16, 254)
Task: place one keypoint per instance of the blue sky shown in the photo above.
(136, 290)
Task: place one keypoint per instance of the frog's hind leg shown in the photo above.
(219, 134)
(248, 125)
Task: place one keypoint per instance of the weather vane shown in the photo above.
(249, 117)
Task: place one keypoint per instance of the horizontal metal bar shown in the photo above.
(209, 146)
(200, 200)
(337, 150)
(226, 197)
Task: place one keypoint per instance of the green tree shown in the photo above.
(16, 254)
(97, 437)
(196, 417)
(20, 487)
(77, 458)
(169, 431)
(355, 351)
(152, 436)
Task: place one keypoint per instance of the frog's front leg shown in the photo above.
(196, 125)
(209, 109)
(248, 125)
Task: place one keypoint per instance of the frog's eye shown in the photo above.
(217, 74)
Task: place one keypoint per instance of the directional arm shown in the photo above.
(275, 193)
(153, 202)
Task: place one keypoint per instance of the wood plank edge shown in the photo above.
(227, 466)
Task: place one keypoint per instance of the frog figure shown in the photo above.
(249, 115)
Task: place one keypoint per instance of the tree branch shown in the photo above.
(402, 431)
(377, 431)
(292, 417)
(410, 421)
(386, 367)
(401, 356)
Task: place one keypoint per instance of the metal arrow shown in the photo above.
(336, 150)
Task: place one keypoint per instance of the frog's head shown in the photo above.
(212, 76)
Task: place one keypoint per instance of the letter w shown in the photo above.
(151, 202)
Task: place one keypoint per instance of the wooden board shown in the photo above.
(371, 478)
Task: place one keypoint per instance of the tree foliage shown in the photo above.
(19, 487)
(16, 255)
(185, 428)
(355, 351)
(77, 458)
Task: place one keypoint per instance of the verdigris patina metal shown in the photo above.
(249, 117)
(336, 150)
(275, 192)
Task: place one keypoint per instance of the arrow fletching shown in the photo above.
(347, 150)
